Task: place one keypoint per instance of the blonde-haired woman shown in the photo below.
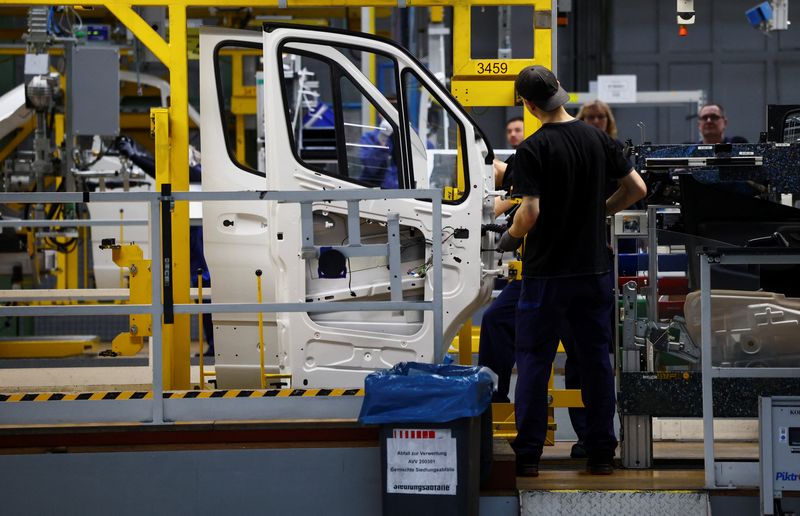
(598, 114)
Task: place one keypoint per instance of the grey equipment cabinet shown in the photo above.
(779, 433)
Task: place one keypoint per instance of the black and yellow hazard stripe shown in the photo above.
(77, 396)
(268, 393)
(139, 395)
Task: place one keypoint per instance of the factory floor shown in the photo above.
(677, 465)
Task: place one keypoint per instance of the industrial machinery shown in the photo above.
(705, 197)
(337, 349)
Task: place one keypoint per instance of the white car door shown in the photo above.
(327, 126)
(234, 233)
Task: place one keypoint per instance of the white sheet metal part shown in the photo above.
(106, 272)
(333, 349)
(13, 112)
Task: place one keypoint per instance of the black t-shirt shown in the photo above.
(567, 165)
(508, 175)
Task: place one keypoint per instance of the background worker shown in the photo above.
(597, 113)
(496, 348)
(712, 123)
(376, 152)
(560, 171)
(515, 131)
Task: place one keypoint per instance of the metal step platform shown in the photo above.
(614, 503)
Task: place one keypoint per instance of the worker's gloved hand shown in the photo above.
(125, 146)
(508, 243)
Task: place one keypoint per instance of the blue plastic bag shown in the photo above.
(411, 392)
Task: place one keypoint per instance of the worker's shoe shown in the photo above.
(527, 467)
(578, 450)
(600, 466)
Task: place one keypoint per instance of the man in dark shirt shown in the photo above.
(498, 328)
(560, 171)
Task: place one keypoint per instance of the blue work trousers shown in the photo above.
(547, 306)
(496, 351)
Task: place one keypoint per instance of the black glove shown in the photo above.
(508, 243)
(125, 146)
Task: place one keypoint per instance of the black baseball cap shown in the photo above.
(537, 84)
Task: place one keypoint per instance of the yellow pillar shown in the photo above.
(465, 343)
(368, 26)
(159, 120)
(67, 265)
(241, 146)
(172, 166)
(178, 345)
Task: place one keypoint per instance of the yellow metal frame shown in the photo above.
(203, 373)
(130, 256)
(490, 82)
(170, 169)
(22, 133)
(503, 422)
(47, 347)
(243, 99)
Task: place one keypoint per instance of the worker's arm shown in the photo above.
(631, 189)
(499, 168)
(501, 206)
(524, 220)
(526, 216)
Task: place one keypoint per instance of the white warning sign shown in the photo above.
(421, 462)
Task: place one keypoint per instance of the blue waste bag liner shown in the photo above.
(411, 392)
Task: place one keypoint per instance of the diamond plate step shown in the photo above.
(614, 503)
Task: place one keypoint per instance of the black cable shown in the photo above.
(349, 269)
(493, 228)
(350, 278)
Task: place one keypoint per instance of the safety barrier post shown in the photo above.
(262, 377)
(200, 327)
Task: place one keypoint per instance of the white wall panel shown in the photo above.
(628, 117)
(731, 30)
(636, 26)
(682, 127)
(788, 78)
(722, 55)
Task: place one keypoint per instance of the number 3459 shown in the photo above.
(492, 68)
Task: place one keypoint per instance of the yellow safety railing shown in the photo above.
(203, 373)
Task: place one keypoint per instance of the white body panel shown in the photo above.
(335, 349)
(13, 112)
